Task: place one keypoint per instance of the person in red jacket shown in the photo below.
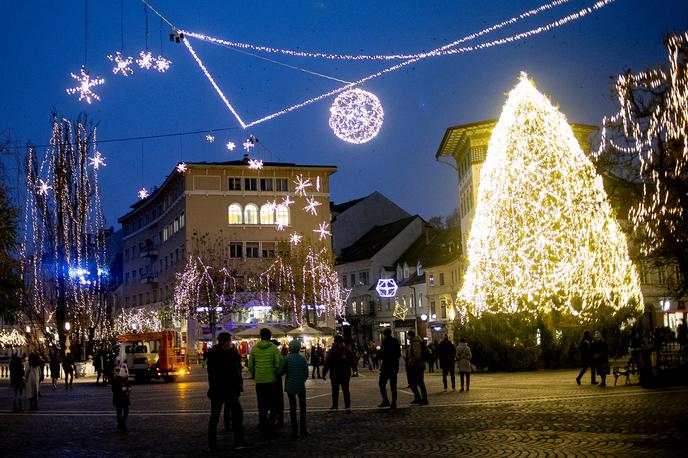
(340, 363)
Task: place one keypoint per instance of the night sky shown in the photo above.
(574, 64)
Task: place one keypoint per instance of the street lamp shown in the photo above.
(67, 326)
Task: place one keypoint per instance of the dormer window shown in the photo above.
(406, 271)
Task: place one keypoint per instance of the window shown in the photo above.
(344, 282)
(234, 214)
(175, 225)
(433, 311)
(236, 250)
(176, 255)
(252, 249)
(406, 271)
(126, 277)
(251, 214)
(267, 214)
(182, 220)
(420, 301)
(250, 184)
(165, 234)
(281, 185)
(353, 280)
(363, 278)
(268, 249)
(234, 184)
(431, 279)
(160, 237)
(266, 184)
(126, 254)
(443, 309)
(441, 278)
(282, 215)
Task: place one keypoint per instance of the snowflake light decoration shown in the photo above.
(301, 185)
(97, 160)
(43, 187)
(85, 85)
(231, 146)
(162, 64)
(280, 226)
(386, 287)
(182, 167)
(310, 208)
(143, 193)
(255, 164)
(248, 144)
(122, 64)
(146, 60)
(294, 239)
(356, 116)
(210, 138)
(287, 201)
(323, 230)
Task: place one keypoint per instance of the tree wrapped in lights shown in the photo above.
(544, 238)
(64, 250)
(645, 144)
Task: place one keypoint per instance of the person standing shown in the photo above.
(99, 365)
(600, 356)
(416, 370)
(295, 369)
(316, 360)
(340, 362)
(263, 364)
(278, 405)
(464, 356)
(17, 382)
(390, 352)
(54, 369)
(33, 380)
(68, 366)
(446, 353)
(224, 387)
(120, 395)
(586, 358)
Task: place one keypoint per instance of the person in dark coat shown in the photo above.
(416, 370)
(54, 369)
(316, 359)
(586, 358)
(17, 382)
(69, 367)
(340, 363)
(224, 387)
(446, 353)
(390, 352)
(120, 395)
(99, 365)
(278, 404)
(600, 356)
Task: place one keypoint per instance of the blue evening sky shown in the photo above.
(573, 64)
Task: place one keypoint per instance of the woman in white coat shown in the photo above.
(463, 357)
(33, 380)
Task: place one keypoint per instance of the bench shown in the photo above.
(631, 368)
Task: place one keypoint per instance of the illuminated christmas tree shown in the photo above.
(544, 237)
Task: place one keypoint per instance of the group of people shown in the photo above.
(594, 356)
(26, 377)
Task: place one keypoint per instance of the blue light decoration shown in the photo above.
(386, 287)
(80, 274)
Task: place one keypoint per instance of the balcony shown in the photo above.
(149, 252)
(149, 279)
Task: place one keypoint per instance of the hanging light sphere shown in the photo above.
(356, 116)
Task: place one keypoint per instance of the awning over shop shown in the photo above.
(305, 330)
(255, 331)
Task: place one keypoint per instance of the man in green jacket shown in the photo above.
(263, 365)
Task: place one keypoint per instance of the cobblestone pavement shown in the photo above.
(540, 413)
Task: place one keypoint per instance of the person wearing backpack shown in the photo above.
(416, 369)
(340, 362)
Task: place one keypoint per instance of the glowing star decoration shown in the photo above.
(97, 160)
(43, 187)
(231, 146)
(182, 167)
(386, 287)
(143, 193)
(210, 138)
(145, 60)
(301, 185)
(85, 85)
(356, 116)
(544, 237)
(323, 230)
(248, 144)
(287, 201)
(294, 239)
(255, 164)
(310, 208)
(400, 309)
(122, 64)
(162, 64)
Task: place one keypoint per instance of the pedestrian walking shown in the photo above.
(374, 356)
(225, 385)
(99, 365)
(600, 356)
(316, 359)
(54, 369)
(69, 367)
(278, 404)
(120, 395)
(340, 363)
(263, 365)
(294, 367)
(464, 356)
(586, 358)
(17, 381)
(446, 353)
(33, 380)
(390, 352)
(416, 370)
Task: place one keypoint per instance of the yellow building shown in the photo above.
(228, 210)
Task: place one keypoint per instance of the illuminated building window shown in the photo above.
(443, 309)
(282, 215)
(251, 214)
(267, 215)
(363, 278)
(234, 214)
(433, 310)
(182, 220)
(431, 279)
(175, 226)
(165, 235)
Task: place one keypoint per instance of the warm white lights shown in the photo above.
(301, 185)
(255, 164)
(230, 145)
(294, 239)
(143, 193)
(182, 167)
(85, 85)
(310, 208)
(122, 64)
(145, 60)
(356, 116)
(97, 160)
(162, 64)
